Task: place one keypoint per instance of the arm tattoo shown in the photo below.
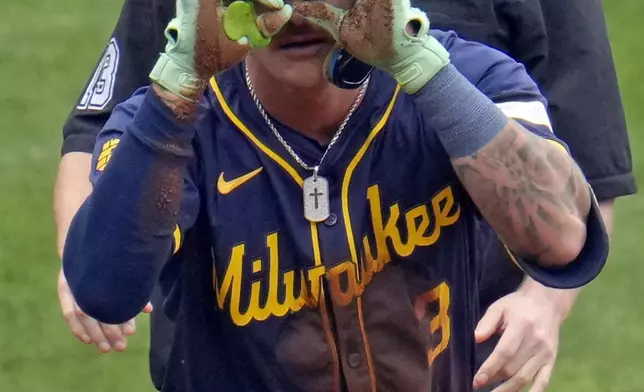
(529, 190)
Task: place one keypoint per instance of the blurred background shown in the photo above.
(47, 50)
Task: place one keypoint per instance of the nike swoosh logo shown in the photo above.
(225, 187)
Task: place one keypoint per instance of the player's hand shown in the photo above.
(206, 38)
(529, 321)
(106, 337)
(387, 34)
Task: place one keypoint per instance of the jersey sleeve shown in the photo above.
(123, 67)
(508, 85)
(144, 198)
(581, 271)
(108, 140)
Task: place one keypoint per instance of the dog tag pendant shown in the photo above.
(316, 198)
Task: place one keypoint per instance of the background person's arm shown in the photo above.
(123, 67)
(71, 189)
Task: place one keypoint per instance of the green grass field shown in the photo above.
(47, 50)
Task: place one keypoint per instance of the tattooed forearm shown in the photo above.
(182, 108)
(531, 192)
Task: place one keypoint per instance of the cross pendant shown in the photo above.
(316, 198)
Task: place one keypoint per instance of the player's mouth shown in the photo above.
(304, 46)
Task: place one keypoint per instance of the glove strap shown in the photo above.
(177, 79)
(414, 72)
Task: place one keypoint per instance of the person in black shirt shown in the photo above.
(551, 38)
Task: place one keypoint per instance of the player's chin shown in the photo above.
(304, 67)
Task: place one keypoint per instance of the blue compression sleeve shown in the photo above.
(464, 119)
(122, 234)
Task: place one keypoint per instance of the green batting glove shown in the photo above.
(175, 69)
(387, 34)
(206, 38)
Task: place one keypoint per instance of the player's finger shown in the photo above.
(74, 324)
(524, 355)
(68, 308)
(322, 14)
(270, 23)
(148, 308)
(95, 332)
(114, 336)
(523, 377)
(489, 324)
(129, 328)
(542, 379)
(503, 353)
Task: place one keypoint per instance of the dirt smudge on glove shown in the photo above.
(207, 54)
(366, 29)
(213, 50)
(317, 10)
(373, 20)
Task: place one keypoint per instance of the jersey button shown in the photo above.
(331, 220)
(353, 360)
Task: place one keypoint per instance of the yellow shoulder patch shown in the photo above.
(106, 153)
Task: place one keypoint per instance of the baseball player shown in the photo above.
(320, 260)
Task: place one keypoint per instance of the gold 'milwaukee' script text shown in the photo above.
(346, 280)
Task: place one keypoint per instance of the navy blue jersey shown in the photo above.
(381, 296)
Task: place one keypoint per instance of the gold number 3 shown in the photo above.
(439, 295)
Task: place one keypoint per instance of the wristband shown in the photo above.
(464, 119)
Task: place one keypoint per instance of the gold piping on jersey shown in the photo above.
(314, 230)
(177, 239)
(347, 223)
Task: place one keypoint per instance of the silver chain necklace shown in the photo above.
(315, 188)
